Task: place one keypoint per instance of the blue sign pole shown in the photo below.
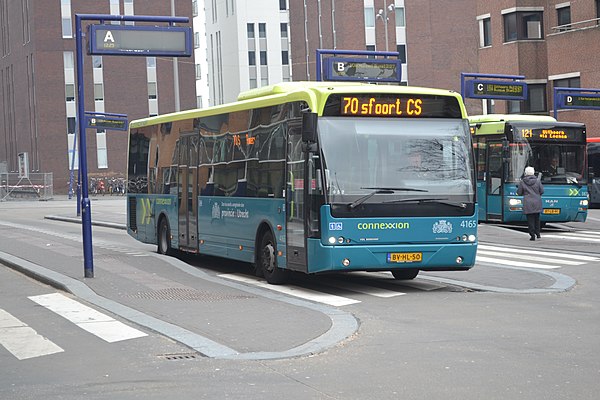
(86, 218)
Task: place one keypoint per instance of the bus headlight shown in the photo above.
(332, 240)
(472, 238)
(514, 202)
(583, 203)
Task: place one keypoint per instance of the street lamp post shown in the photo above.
(383, 14)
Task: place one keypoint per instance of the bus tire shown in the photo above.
(405, 274)
(267, 260)
(164, 238)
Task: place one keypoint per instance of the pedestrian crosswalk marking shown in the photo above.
(549, 254)
(572, 236)
(88, 319)
(517, 263)
(292, 290)
(521, 257)
(22, 341)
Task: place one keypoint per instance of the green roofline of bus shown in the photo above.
(314, 93)
(487, 124)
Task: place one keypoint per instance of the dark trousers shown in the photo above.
(533, 224)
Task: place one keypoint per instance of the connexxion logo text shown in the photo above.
(383, 225)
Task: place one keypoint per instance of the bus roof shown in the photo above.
(509, 118)
(314, 93)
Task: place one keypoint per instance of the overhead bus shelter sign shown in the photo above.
(502, 90)
(579, 100)
(360, 69)
(139, 40)
(117, 122)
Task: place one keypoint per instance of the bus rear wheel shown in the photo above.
(164, 238)
(405, 274)
(267, 261)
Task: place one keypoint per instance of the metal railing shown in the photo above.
(576, 26)
(38, 185)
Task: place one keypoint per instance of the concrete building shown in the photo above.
(38, 93)
(201, 62)
(248, 46)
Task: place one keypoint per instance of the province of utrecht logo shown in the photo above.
(442, 226)
(216, 211)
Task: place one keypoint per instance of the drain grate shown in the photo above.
(178, 356)
(186, 294)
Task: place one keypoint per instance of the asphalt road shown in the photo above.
(522, 324)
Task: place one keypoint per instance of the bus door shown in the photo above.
(494, 180)
(294, 199)
(187, 192)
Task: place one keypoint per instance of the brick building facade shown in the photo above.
(37, 90)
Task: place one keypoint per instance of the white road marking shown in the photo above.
(539, 252)
(22, 341)
(296, 291)
(88, 319)
(514, 263)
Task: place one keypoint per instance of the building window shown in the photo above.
(598, 10)
(262, 30)
(98, 92)
(400, 21)
(369, 17)
(67, 23)
(152, 90)
(282, 5)
(485, 32)
(285, 57)
(68, 60)
(536, 99)
(514, 106)
(574, 82)
(564, 18)
(370, 47)
(250, 30)
(70, 92)
(128, 10)
(97, 61)
(196, 40)
(284, 30)
(263, 57)
(194, 8)
(264, 81)
(198, 72)
(115, 9)
(71, 125)
(151, 62)
(401, 49)
(251, 58)
(523, 25)
(101, 149)
(252, 83)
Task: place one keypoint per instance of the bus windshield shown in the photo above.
(559, 163)
(391, 161)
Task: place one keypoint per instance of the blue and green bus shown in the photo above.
(312, 177)
(506, 144)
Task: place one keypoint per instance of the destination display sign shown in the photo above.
(392, 105)
(490, 89)
(99, 121)
(139, 40)
(551, 133)
(577, 100)
(361, 69)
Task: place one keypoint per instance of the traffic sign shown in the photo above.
(140, 40)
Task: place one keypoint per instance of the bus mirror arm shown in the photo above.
(309, 127)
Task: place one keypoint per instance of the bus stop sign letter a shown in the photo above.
(173, 41)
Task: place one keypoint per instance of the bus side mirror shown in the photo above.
(309, 127)
(591, 173)
(505, 150)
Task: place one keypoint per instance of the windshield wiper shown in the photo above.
(429, 200)
(381, 190)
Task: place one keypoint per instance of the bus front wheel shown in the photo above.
(164, 238)
(268, 260)
(405, 274)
